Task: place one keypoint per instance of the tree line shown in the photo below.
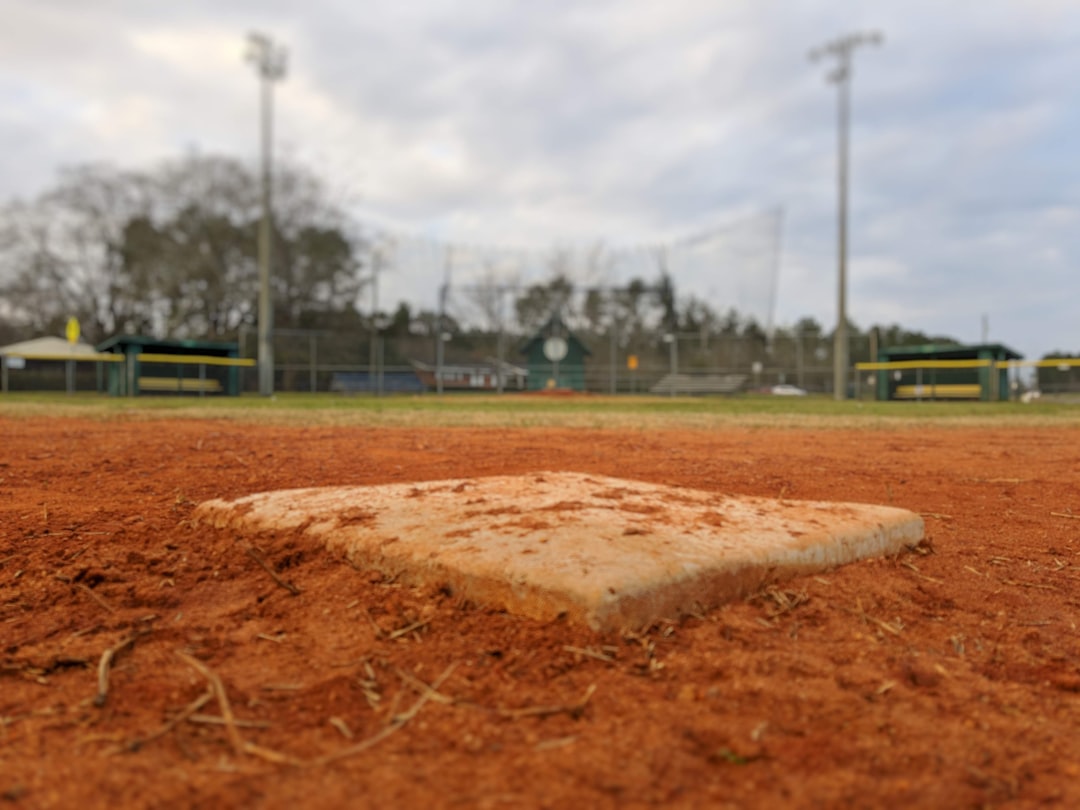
(171, 252)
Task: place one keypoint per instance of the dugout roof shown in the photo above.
(945, 351)
(50, 348)
(127, 344)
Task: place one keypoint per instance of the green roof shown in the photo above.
(949, 351)
(554, 326)
(121, 342)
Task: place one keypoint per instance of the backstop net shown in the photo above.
(633, 315)
(689, 315)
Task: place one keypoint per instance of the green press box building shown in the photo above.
(977, 378)
(555, 358)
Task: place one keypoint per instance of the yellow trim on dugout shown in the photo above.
(195, 359)
(905, 364)
(1049, 362)
(84, 358)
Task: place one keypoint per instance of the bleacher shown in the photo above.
(360, 382)
(692, 384)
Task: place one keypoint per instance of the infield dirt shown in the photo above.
(947, 677)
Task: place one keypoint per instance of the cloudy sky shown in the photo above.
(532, 123)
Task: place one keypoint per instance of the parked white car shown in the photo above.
(787, 391)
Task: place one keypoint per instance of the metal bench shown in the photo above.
(699, 384)
(946, 391)
(179, 385)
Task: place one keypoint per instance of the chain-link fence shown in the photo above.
(613, 362)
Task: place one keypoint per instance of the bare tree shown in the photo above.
(172, 252)
(64, 250)
(541, 301)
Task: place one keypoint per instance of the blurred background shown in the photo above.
(452, 181)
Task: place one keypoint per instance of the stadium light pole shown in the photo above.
(842, 49)
(269, 60)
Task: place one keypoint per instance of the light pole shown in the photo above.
(269, 60)
(842, 50)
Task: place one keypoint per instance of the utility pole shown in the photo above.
(269, 60)
(842, 49)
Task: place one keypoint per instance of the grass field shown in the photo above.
(565, 411)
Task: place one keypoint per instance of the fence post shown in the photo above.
(381, 343)
(800, 376)
(673, 339)
(614, 354)
(499, 352)
(443, 291)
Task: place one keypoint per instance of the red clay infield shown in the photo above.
(145, 662)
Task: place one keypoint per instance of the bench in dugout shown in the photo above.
(358, 382)
(948, 391)
(179, 385)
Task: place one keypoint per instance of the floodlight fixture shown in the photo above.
(269, 58)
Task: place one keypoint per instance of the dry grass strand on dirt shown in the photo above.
(398, 723)
(105, 664)
(257, 557)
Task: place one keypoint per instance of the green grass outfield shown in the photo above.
(526, 410)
